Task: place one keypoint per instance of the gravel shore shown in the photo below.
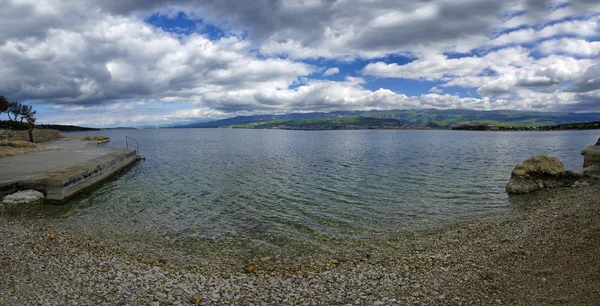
(545, 251)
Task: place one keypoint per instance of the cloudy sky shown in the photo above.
(152, 62)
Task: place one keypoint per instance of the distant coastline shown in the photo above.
(412, 119)
(362, 123)
(560, 127)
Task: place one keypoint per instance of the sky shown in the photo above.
(159, 63)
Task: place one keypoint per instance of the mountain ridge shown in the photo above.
(431, 118)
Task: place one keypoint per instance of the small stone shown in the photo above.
(578, 184)
(195, 299)
(147, 260)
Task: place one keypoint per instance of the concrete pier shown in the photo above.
(63, 173)
(591, 156)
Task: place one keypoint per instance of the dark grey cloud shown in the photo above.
(33, 21)
(314, 24)
(585, 103)
(588, 81)
(536, 82)
(453, 20)
(126, 7)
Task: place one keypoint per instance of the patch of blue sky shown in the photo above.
(510, 14)
(171, 105)
(463, 92)
(354, 67)
(564, 85)
(495, 33)
(45, 108)
(454, 55)
(589, 16)
(558, 5)
(181, 24)
(45, 111)
(487, 72)
(407, 87)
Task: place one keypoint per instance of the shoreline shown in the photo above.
(386, 129)
(544, 251)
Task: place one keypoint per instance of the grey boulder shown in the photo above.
(23, 197)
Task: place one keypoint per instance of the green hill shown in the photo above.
(342, 123)
(421, 118)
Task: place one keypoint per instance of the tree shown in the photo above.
(26, 111)
(15, 108)
(4, 105)
(31, 120)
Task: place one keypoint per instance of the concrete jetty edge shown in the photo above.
(62, 183)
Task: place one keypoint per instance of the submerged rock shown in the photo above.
(23, 197)
(540, 172)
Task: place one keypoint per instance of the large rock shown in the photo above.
(23, 197)
(591, 155)
(592, 171)
(540, 172)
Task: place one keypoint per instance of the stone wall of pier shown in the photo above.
(39, 135)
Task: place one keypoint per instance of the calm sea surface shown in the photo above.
(274, 187)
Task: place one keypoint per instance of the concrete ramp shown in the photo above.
(61, 174)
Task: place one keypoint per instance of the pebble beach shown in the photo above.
(543, 252)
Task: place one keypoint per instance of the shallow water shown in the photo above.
(271, 188)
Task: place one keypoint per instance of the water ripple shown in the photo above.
(268, 187)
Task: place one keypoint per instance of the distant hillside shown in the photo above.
(15, 125)
(560, 127)
(431, 118)
(573, 126)
(259, 118)
(342, 123)
(66, 128)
